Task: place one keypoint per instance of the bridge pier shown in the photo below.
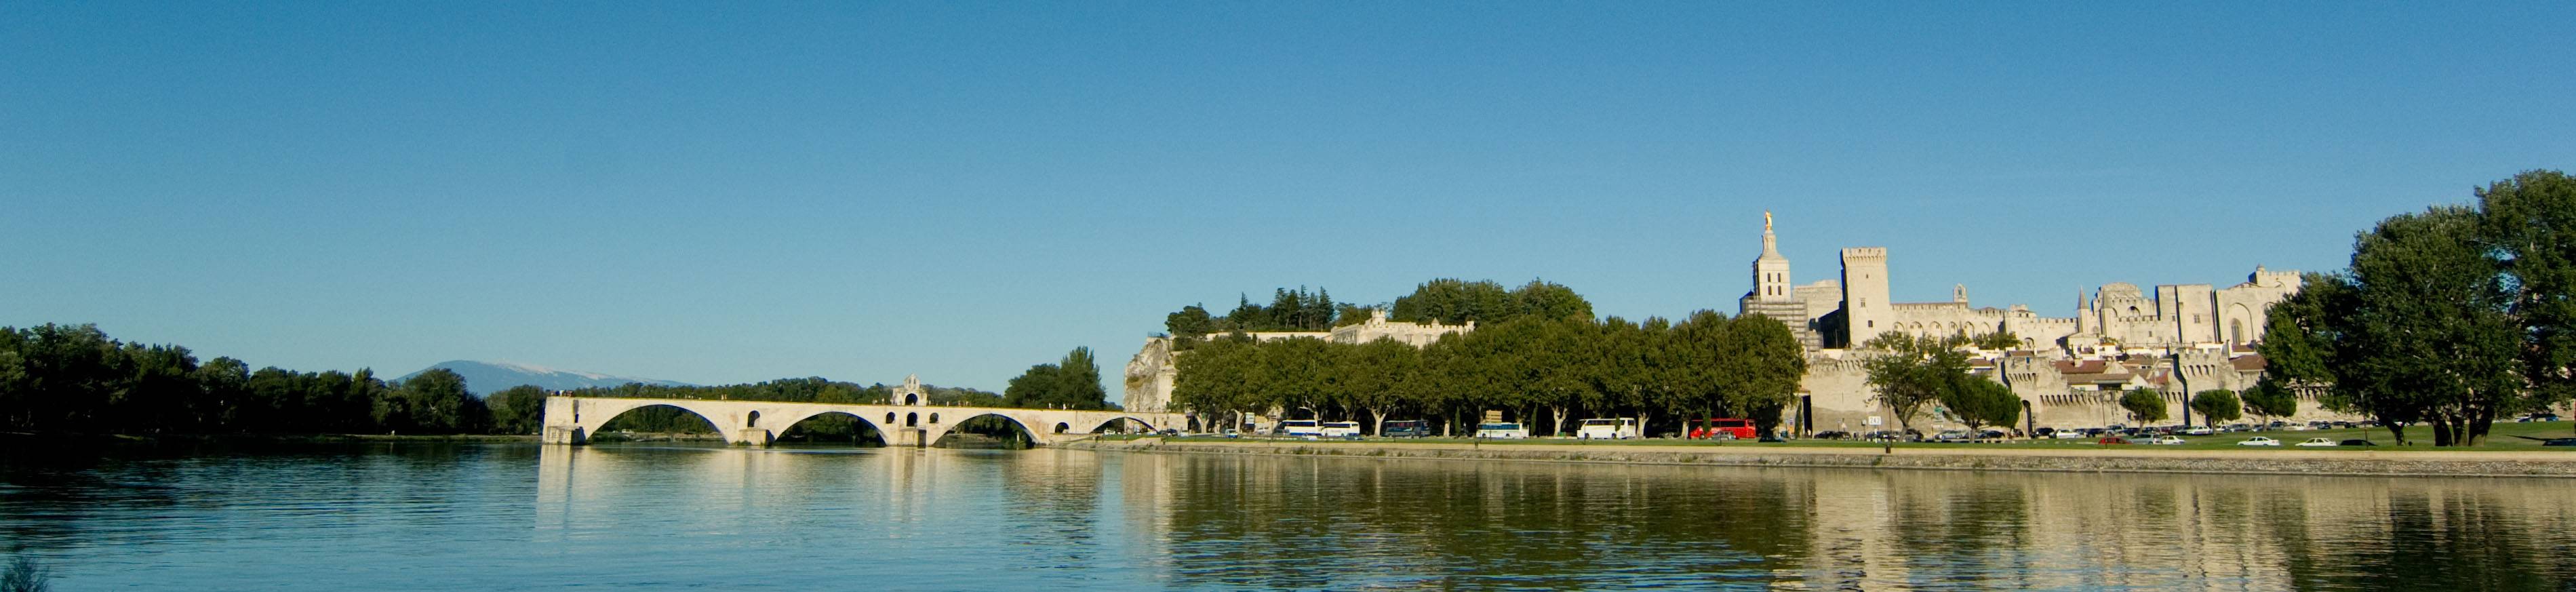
(565, 434)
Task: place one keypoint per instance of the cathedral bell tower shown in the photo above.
(1770, 271)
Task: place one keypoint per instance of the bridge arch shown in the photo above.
(1020, 428)
(1104, 424)
(603, 419)
(860, 427)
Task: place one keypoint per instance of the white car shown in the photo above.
(2166, 440)
(2259, 441)
(1620, 428)
(1298, 428)
(1506, 431)
(2317, 443)
(1341, 429)
(2198, 431)
(2070, 434)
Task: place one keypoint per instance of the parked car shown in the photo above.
(2200, 430)
(2072, 434)
(1505, 431)
(1994, 434)
(1952, 436)
(2538, 417)
(1295, 428)
(2356, 442)
(1607, 428)
(2112, 440)
(1341, 429)
(2167, 440)
(2559, 442)
(2259, 441)
(1406, 428)
(1830, 435)
(2238, 427)
(2317, 443)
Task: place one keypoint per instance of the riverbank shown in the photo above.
(2382, 463)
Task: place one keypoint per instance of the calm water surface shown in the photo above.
(493, 517)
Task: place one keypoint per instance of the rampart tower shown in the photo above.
(1865, 306)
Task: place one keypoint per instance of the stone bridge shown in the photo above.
(906, 422)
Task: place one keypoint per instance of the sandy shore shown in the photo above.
(1965, 457)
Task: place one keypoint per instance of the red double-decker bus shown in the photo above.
(1722, 428)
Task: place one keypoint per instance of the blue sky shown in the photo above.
(715, 193)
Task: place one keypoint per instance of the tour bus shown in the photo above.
(1722, 428)
(1299, 428)
(1504, 430)
(1617, 428)
(1341, 429)
(1406, 428)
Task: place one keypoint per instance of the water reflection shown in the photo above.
(489, 517)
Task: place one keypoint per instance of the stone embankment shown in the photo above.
(1976, 458)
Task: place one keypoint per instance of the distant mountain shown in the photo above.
(493, 377)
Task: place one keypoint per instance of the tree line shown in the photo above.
(76, 378)
(2453, 316)
(1529, 366)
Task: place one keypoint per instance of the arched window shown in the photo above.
(752, 420)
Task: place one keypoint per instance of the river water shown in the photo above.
(497, 517)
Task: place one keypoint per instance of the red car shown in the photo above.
(2113, 440)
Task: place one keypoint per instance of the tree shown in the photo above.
(1380, 378)
(2145, 406)
(1219, 381)
(1979, 403)
(1997, 340)
(2269, 399)
(517, 410)
(1912, 372)
(1071, 383)
(1189, 326)
(1764, 366)
(434, 401)
(2423, 331)
(2529, 224)
(2217, 405)
(1551, 301)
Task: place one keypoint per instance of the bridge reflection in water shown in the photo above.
(1333, 523)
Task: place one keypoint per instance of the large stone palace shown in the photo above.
(2069, 371)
